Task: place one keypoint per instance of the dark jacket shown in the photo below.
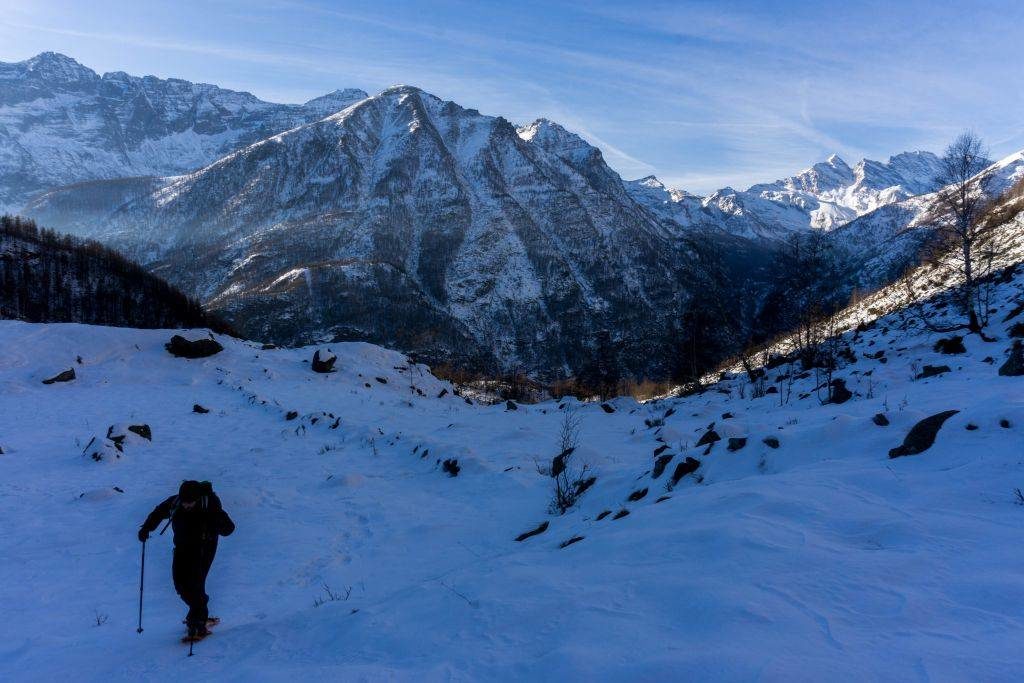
(194, 529)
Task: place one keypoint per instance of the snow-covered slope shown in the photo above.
(824, 196)
(61, 123)
(796, 551)
(409, 221)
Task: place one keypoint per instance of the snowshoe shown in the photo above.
(195, 635)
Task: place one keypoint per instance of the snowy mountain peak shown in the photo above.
(335, 101)
(57, 67)
(61, 123)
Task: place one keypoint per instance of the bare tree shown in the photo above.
(960, 228)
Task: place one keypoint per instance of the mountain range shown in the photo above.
(419, 224)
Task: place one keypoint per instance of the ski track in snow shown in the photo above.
(819, 560)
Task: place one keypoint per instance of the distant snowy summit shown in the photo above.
(62, 123)
(825, 196)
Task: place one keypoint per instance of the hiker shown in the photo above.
(198, 519)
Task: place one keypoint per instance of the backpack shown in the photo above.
(206, 491)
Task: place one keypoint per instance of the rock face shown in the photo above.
(62, 123)
(1014, 365)
(922, 435)
(416, 224)
(200, 348)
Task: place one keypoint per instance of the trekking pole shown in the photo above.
(142, 579)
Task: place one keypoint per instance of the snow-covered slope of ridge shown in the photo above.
(824, 196)
(880, 245)
(409, 221)
(62, 123)
(818, 559)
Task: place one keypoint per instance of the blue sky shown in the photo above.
(702, 94)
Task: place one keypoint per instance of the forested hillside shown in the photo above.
(49, 277)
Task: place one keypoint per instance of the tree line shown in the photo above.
(46, 276)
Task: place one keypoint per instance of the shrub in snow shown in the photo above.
(185, 348)
(65, 376)
(922, 435)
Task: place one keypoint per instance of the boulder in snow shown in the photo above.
(770, 442)
(65, 376)
(1014, 365)
(323, 364)
(932, 371)
(688, 466)
(709, 438)
(200, 348)
(922, 435)
(660, 464)
(950, 345)
(839, 392)
(737, 442)
(196, 408)
(880, 419)
(533, 532)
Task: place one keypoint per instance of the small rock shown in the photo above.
(382, 380)
(660, 449)
(511, 405)
(291, 415)
(770, 442)
(444, 392)
(603, 514)
(200, 348)
(142, 430)
(932, 371)
(637, 495)
(880, 419)
(66, 376)
(533, 532)
(621, 513)
(660, 464)
(737, 442)
(574, 539)
(451, 466)
(951, 345)
(662, 499)
(688, 466)
(971, 427)
(196, 408)
(607, 408)
(922, 435)
(727, 416)
(709, 437)
(1004, 423)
